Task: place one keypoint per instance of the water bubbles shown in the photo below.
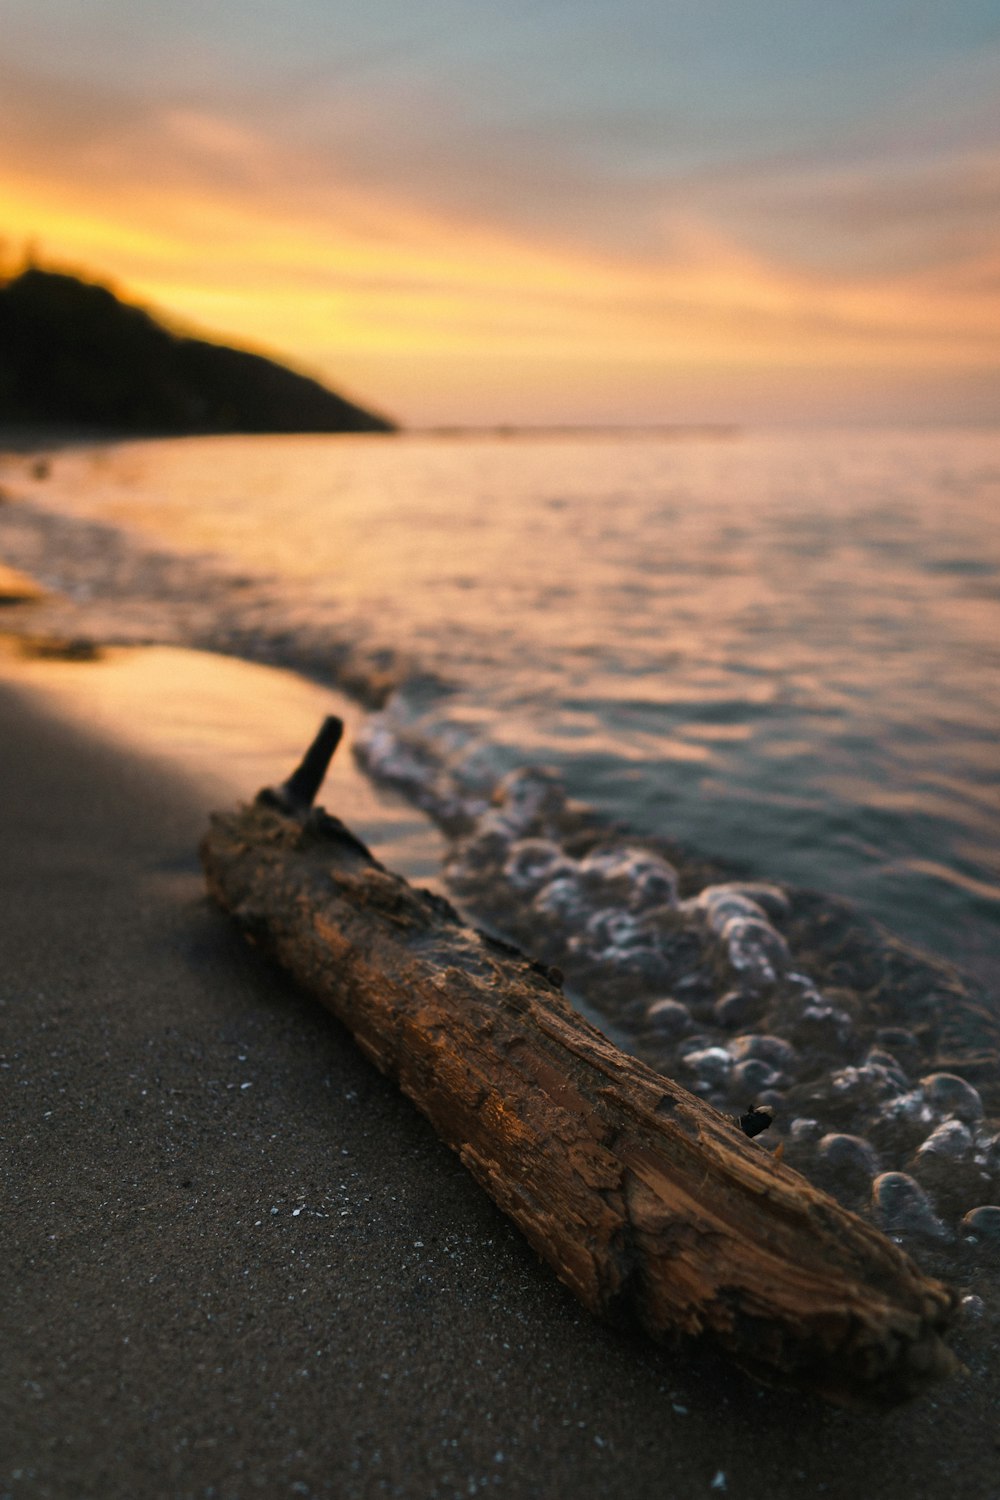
(655, 885)
(804, 986)
(529, 797)
(752, 1077)
(891, 1068)
(871, 1082)
(773, 1049)
(736, 1008)
(712, 1065)
(990, 1147)
(613, 928)
(950, 1139)
(669, 1018)
(631, 877)
(950, 1095)
(823, 1029)
(747, 898)
(984, 1222)
(721, 904)
(646, 968)
(391, 758)
(849, 1158)
(898, 1040)
(756, 951)
(531, 863)
(709, 985)
(563, 899)
(972, 1308)
(946, 1165)
(911, 1107)
(902, 1207)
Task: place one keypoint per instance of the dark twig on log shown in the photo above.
(648, 1204)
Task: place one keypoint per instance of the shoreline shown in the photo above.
(242, 1263)
(226, 725)
(904, 834)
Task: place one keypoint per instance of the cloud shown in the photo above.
(349, 224)
(876, 217)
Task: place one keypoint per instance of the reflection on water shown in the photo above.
(232, 726)
(780, 648)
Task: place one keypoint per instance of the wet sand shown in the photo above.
(239, 1263)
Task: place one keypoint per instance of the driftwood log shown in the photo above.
(650, 1205)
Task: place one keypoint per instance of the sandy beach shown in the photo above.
(240, 1263)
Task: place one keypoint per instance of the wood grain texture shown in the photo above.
(650, 1205)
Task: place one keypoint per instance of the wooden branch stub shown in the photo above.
(647, 1203)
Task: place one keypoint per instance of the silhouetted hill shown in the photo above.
(71, 352)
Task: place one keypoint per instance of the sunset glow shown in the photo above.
(581, 261)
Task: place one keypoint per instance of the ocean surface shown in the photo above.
(667, 698)
(779, 648)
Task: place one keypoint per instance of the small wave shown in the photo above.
(747, 991)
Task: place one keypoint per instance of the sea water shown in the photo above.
(782, 647)
(670, 697)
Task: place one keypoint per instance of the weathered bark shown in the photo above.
(647, 1203)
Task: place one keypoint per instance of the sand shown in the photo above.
(238, 1262)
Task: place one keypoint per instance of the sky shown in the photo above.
(562, 211)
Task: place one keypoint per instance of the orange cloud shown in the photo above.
(208, 220)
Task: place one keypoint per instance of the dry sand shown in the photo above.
(237, 1262)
